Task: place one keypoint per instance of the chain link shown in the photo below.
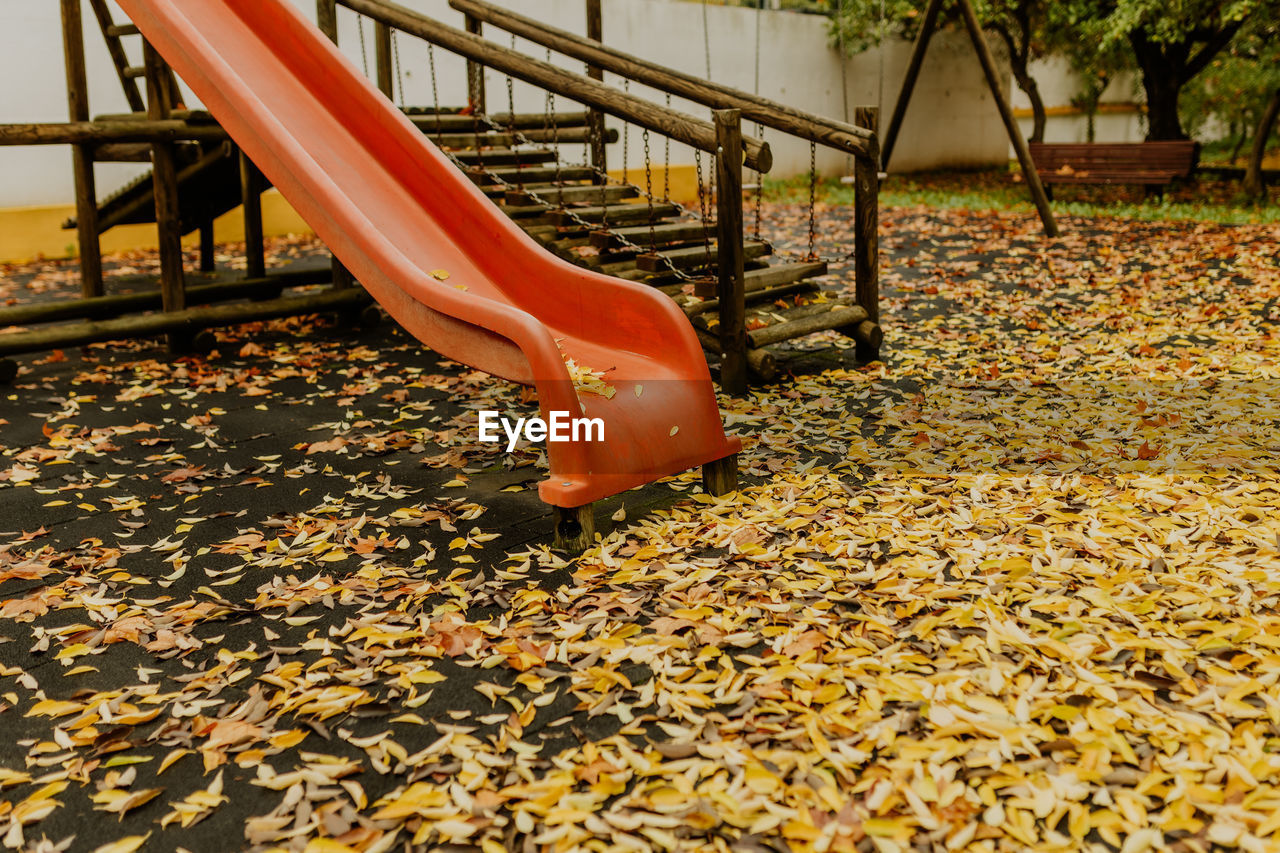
(813, 199)
(648, 191)
(364, 54)
(395, 54)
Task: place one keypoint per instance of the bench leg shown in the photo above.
(575, 528)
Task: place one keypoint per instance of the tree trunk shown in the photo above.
(1253, 185)
(1028, 85)
(1162, 89)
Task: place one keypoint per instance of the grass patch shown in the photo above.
(1199, 200)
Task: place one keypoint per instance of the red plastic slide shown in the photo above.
(443, 260)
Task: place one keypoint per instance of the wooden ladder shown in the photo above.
(131, 76)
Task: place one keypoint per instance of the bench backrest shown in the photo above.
(1177, 156)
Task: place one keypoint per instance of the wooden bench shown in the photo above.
(1152, 164)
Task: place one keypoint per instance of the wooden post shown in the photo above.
(208, 257)
(82, 155)
(165, 182)
(918, 51)
(595, 118)
(721, 477)
(475, 71)
(327, 18)
(382, 49)
(1029, 173)
(255, 254)
(730, 282)
(866, 218)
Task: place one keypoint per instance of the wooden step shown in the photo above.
(693, 308)
(115, 31)
(767, 283)
(571, 195)
(133, 72)
(667, 232)
(621, 214)
(505, 156)
(534, 174)
(695, 257)
(497, 138)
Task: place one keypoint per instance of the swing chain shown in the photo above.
(666, 161)
(813, 198)
(435, 91)
(511, 122)
(364, 53)
(703, 204)
(648, 191)
(395, 53)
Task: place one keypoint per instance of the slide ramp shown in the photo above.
(438, 255)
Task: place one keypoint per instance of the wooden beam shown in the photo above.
(1029, 173)
(730, 286)
(475, 71)
(918, 51)
(595, 119)
(327, 18)
(165, 188)
(679, 126)
(81, 155)
(84, 132)
(866, 230)
(382, 51)
(772, 114)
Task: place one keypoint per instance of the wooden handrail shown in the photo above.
(679, 126)
(844, 137)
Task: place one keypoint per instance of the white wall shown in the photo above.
(952, 121)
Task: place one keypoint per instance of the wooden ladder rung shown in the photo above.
(693, 309)
(133, 72)
(693, 257)
(668, 232)
(115, 31)
(571, 195)
(536, 174)
(620, 213)
(505, 156)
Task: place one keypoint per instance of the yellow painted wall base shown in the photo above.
(31, 233)
(684, 181)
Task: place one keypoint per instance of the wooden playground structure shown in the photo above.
(728, 282)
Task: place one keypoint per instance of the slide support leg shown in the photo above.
(575, 528)
(721, 477)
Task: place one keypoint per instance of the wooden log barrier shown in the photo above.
(102, 307)
(185, 322)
